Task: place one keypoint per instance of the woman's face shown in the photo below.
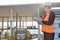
(46, 9)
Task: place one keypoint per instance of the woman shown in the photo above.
(48, 23)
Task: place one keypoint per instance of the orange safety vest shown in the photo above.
(47, 28)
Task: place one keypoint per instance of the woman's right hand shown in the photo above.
(39, 20)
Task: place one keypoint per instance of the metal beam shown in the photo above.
(11, 18)
(38, 14)
(16, 24)
(2, 26)
(20, 22)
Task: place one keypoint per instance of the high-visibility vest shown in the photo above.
(47, 28)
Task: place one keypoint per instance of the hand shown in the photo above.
(39, 20)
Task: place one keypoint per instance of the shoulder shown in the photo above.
(52, 13)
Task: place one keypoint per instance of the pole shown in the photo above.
(32, 20)
(16, 24)
(20, 22)
(38, 14)
(11, 17)
(7, 25)
(2, 26)
(26, 21)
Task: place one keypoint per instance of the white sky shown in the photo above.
(13, 2)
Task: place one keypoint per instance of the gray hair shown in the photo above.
(48, 4)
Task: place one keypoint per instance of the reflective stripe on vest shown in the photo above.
(47, 28)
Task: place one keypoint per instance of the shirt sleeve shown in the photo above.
(51, 19)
